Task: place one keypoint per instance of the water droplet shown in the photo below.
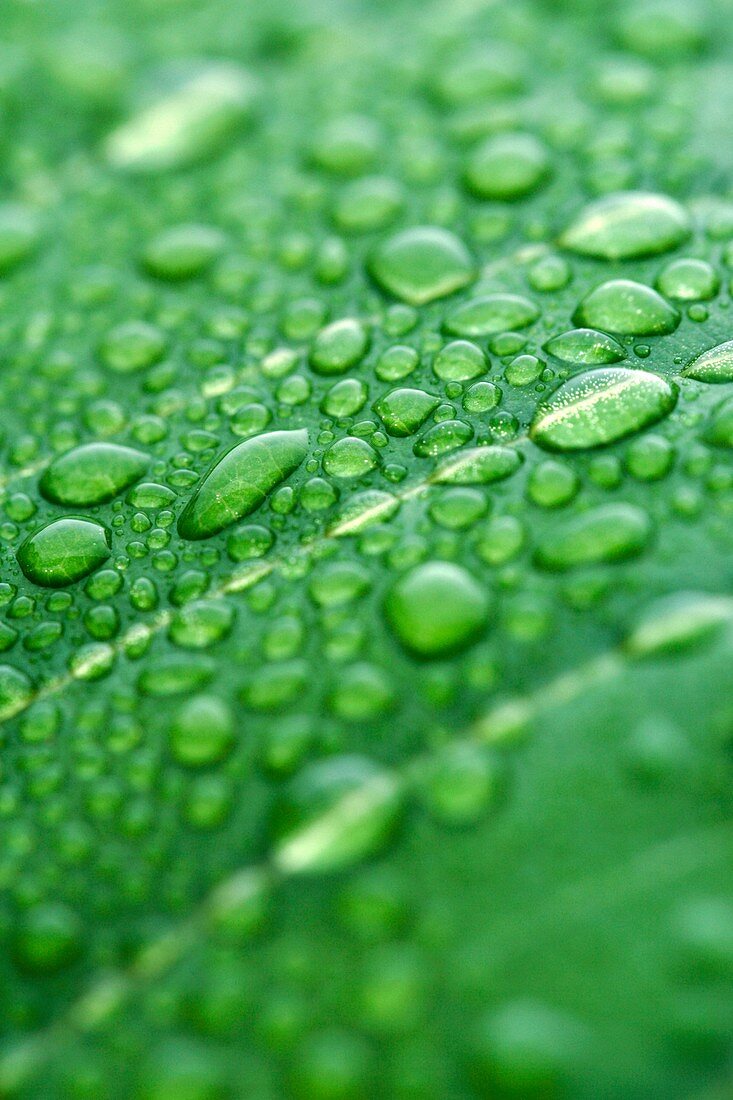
(478, 466)
(403, 411)
(585, 347)
(507, 167)
(194, 120)
(675, 623)
(350, 457)
(92, 473)
(335, 813)
(443, 437)
(714, 365)
(345, 398)
(422, 264)
(339, 346)
(63, 551)
(183, 252)
(202, 732)
(627, 308)
(368, 204)
(460, 361)
(491, 314)
(601, 406)
(688, 280)
(437, 608)
(19, 234)
(132, 346)
(16, 691)
(608, 533)
(627, 225)
(48, 938)
(240, 481)
(201, 624)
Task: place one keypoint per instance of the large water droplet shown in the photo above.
(478, 466)
(92, 473)
(507, 167)
(437, 608)
(421, 264)
(239, 481)
(63, 551)
(627, 308)
(601, 406)
(192, 121)
(627, 225)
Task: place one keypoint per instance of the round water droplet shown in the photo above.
(585, 347)
(48, 938)
(422, 264)
(241, 480)
(335, 813)
(132, 346)
(339, 346)
(599, 407)
(688, 280)
(64, 551)
(345, 398)
(609, 533)
(507, 167)
(350, 457)
(714, 365)
(627, 225)
(437, 608)
(491, 314)
(403, 411)
(92, 473)
(627, 308)
(368, 204)
(202, 732)
(460, 361)
(201, 624)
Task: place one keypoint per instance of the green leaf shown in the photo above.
(366, 618)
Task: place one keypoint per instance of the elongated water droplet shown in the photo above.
(627, 225)
(611, 532)
(334, 814)
(628, 308)
(714, 365)
(601, 406)
(92, 473)
(478, 466)
(421, 264)
(585, 347)
(193, 121)
(678, 622)
(490, 314)
(240, 481)
(63, 551)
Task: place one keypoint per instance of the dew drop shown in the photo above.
(64, 551)
(627, 308)
(92, 473)
(600, 406)
(714, 365)
(241, 480)
(507, 167)
(491, 314)
(609, 533)
(585, 347)
(437, 608)
(627, 225)
(422, 264)
(403, 411)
